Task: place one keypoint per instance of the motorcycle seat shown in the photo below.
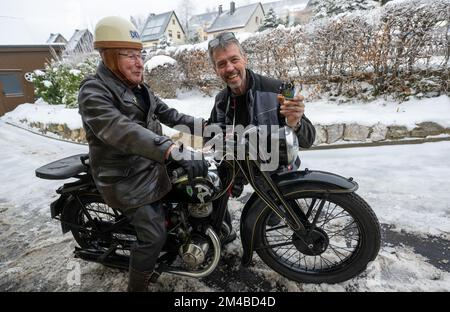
(63, 168)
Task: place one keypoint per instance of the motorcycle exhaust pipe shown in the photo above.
(209, 269)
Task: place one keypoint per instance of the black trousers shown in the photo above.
(149, 222)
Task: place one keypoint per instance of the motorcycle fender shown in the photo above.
(320, 182)
(57, 208)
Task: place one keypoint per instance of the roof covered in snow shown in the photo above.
(283, 7)
(203, 19)
(81, 40)
(156, 25)
(56, 38)
(238, 19)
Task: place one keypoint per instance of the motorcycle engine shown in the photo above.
(199, 194)
(194, 252)
(200, 210)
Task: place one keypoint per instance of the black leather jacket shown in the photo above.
(126, 145)
(262, 105)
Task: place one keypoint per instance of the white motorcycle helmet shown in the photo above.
(115, 32)
(111, 34)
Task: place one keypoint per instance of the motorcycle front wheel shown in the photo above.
(338, 246)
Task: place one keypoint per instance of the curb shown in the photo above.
(380, 143)
(313, 148)
(43, 135)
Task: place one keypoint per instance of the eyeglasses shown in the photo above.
(135, 56)
(223, 37)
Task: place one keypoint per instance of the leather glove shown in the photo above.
(192, 162)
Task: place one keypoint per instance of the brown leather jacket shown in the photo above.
(126, 145)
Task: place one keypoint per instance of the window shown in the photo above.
(11, 85)
(170, 33)
(173, 22)
(178, 35)
(256, 20)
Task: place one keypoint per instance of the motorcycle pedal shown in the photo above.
(157, 273)
(154, 277)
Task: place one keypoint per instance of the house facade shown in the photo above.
(56, 38)
(238, 20)
(17, 62)
(290, 11)
(82, 41)
(158, 26)
(198, 24)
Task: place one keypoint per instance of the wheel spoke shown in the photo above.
(95, 221)
(334, 218)
(329, 213)
(275, 245)
(277, 228)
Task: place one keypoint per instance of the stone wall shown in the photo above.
(329, 134)
(325, 134)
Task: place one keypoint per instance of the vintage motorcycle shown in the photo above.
(309, 226)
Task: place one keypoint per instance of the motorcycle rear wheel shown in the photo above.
(92, 232)
(345, 240)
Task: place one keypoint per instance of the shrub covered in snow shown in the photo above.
(387, 51)
(400, 48)
(59, 82)
(195, 70)
(161, 75)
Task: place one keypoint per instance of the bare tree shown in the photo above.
(138, 21)
(184, 12)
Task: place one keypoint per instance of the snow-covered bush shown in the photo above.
(195, 70)
(389, 50)
(161, 75)
(58, 83)
(164, 42)
(327, 8)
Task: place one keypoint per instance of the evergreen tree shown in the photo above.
(138, 21)
(270, 21)
(327, 8)
(163, 42)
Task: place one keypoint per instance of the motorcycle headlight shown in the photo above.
(288, 146)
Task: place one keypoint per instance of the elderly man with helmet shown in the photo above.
(128, 152)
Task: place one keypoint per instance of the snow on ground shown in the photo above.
(407, 186)
(386, 112)
(45, 113)
(322, 112)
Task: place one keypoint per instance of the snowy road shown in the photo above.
(407, 186)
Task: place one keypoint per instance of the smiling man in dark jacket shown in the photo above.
(127, 150)
(252, 99)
